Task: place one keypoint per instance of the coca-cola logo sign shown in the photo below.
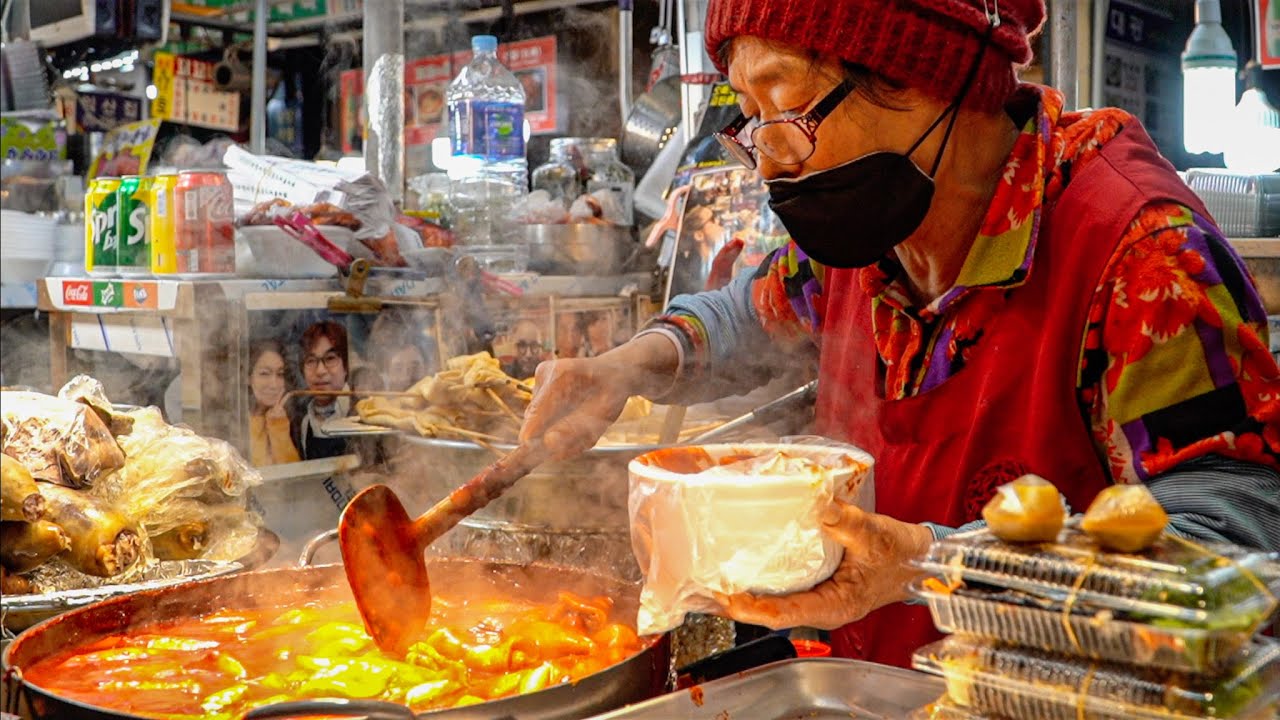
(77, 293)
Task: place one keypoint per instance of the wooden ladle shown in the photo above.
(383, 550)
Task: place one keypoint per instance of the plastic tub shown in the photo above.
(990, 679)
(736, 518)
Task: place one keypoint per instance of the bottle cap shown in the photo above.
(484, 43)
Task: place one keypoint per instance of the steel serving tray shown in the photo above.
(801, 689)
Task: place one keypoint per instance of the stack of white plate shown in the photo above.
(68, 251)
(26, 246)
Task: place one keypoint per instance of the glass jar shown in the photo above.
(580, 166)
(563, 176)
(608, 173)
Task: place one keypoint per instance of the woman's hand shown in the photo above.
(277, 410)
(874, 573)
(576, 400)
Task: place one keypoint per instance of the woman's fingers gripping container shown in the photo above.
(734, 518)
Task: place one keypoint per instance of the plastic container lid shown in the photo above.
(484, 43)
(1021, 683)
(1022, 619)
(1176, 583)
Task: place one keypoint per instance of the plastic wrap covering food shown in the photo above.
(187, 490)
(57, 440)
(89, 391)
(736, 518)
(1177, 583)
(1000, 681)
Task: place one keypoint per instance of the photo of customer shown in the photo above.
(324, 367)
(568, 335)
(598, 331)
(526, 337)
(270, 441)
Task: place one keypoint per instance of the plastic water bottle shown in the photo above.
(487, 172)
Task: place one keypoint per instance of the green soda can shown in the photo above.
(135, 226)
(101, 227)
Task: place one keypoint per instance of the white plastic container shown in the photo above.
(275, 254)
(736, 518)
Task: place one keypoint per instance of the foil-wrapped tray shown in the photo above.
(809, 688)
(19, 612)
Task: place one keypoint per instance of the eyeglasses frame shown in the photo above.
(807, 123)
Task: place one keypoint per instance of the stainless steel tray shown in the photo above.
(19, 612)
(808, 689)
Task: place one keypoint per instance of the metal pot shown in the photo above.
(579, 249)
(642, 676)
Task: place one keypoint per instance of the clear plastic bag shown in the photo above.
(175, 479)
(57, 440)
(736, 518)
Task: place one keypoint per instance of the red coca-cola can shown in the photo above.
(205, 233)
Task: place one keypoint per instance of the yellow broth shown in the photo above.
(228, 662)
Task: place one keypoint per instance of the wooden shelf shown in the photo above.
(1256, 247)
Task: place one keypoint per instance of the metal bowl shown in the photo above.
(579, 249)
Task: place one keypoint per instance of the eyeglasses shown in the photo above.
(789, 141)
(331, 360)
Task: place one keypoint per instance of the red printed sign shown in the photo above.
(77, 292)
(1268, 24)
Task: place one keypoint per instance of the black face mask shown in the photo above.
(852, 215)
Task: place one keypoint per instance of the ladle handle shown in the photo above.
(479, 491)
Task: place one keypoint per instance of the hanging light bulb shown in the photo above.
(1208, 82)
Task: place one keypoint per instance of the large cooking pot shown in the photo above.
(642, 676)
(570, 512)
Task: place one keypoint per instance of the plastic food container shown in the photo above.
(1242, 205)
(989, 679)
(734, 518)
(1022, 619)
(1175, 584)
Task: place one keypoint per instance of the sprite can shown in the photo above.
(164, 228)
(101, 227)
(134, 203)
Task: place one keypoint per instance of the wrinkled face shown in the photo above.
(266, 379)
(324, 369)
(775, 82)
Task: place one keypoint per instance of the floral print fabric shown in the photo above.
(1174, 362)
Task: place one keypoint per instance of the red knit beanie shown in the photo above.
(925, 44)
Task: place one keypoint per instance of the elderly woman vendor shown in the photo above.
(992, 285)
